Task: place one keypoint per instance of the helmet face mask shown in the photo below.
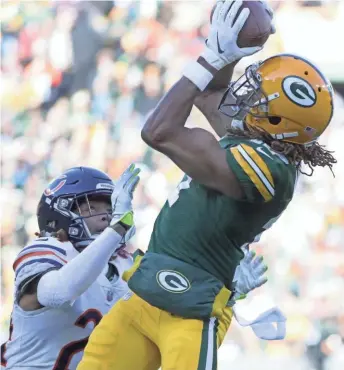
(285, 96)
(60, 205)
(92, 213)
(244, 95)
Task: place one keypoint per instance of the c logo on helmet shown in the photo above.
(48, 192)
(299, 91)
(173, 281)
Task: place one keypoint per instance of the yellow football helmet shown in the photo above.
(285, 95)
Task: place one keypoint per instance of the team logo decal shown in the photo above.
(299, 91)
(48, 191)
(172, 281)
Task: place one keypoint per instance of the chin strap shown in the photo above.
(237, 124)
(80, 246)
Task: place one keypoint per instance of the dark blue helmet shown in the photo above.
(59, 204)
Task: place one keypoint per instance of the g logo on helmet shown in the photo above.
(173, 281)
(299, 91)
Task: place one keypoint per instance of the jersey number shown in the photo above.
(69, 350)
(185, 184)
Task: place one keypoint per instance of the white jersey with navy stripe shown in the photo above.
(41, 255)
(50, 338)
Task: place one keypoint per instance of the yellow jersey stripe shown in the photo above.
(259, 162)
(257, 170)
(251, 174)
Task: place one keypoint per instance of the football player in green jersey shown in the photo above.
(179, 310)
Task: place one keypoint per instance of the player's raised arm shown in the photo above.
(208, 103)
(196, 151)
(43, 276)
(255, 33)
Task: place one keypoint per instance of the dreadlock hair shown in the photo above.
(312, 155)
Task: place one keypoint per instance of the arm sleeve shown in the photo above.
(254, 171)
(64, 285)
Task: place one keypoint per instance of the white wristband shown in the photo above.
(197, 74)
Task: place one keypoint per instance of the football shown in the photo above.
(255, 32)
(257, 27)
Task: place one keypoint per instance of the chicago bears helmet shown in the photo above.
(286, 96)
(59, 204)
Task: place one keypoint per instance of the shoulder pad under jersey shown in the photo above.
(40, 255)
(263, 173)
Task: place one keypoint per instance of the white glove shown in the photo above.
(249, 275)
(269, 325)
(121, 198)
(222, 48)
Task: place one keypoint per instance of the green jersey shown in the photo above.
(207, 229)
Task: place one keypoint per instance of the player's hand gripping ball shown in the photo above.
(256, 31)
(258, 26)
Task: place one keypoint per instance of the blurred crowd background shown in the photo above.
(78, 79)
